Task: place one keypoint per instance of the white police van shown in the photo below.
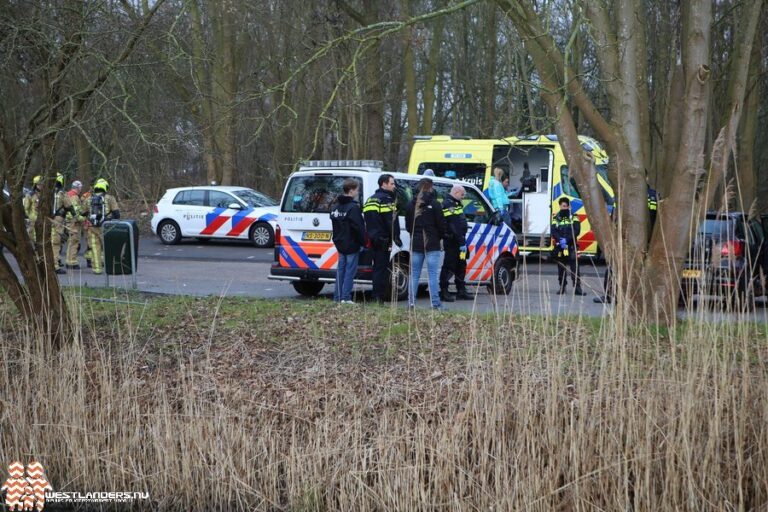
(306, 256)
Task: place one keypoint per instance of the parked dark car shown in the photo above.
(728, 257)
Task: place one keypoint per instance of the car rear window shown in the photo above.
(315, 194)
(722, 229)
(190, 197)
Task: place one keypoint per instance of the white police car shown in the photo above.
(215, 212)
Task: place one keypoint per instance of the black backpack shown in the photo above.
(97, 210)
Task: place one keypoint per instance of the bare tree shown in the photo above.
(38, 104)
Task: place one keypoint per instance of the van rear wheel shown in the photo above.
(504, 273)
(307, 288)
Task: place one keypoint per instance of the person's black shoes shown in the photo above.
(76, 266)
(579, 291)
(561, 291)
(602, 300)
(463, 295)
(446, 297)
(61, 271)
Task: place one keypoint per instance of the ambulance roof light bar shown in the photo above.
(344, 163)
(442, 137)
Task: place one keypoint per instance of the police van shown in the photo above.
(538, 178)
(306, 257)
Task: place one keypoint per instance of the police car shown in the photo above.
(306, 257)
(215, 212)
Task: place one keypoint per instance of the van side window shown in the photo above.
(473, 173)
(475, 208)
(403, 195)
(568, 183)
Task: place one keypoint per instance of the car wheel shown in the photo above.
(307, 288)
(504, 273)
(262, 235)
(169, 232)
(399, 279)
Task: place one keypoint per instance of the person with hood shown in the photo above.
(348, 237)
(383, 228)
(565, 231)
(425, 222)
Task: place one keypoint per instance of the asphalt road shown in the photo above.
(230, 268)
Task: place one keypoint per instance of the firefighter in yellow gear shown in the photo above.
(31, 203)
(74, 225)
(101, 207)
(62, 207)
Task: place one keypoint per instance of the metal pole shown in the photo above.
(132, 255)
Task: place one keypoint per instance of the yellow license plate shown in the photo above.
(691, 274)
(317, 236)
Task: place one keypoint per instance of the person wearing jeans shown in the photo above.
(348, 237)
(433, 272)
(425, 222)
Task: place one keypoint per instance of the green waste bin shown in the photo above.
(121, 247)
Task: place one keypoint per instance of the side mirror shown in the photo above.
(495, 218)
(235, 206)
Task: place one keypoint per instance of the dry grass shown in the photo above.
(236, 404)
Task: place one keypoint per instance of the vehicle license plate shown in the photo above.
(691, 273)
(317, 236)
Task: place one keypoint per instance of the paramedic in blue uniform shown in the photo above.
(383, 230)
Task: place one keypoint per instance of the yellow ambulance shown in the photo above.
(538, 178)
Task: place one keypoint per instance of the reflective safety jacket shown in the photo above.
(381, 222)
(565, 225)
(455, 220)
(31, 204)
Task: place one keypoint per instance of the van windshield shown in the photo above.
(315, 194)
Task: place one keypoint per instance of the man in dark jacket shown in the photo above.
(565, 231)
(383, 229)
(349, 238)
(455, 246)
(425, 222)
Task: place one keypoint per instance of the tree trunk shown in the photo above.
(672, 234)
(745, 157)
(737, 84)
(430, 75)
(83, 151)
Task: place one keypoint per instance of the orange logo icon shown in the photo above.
(25, 493)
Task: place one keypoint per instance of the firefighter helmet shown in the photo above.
(101, 185)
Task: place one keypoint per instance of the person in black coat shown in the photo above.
(383, 229)
(349, 239)
(425, 222)
(565, 231)
(455, 245)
